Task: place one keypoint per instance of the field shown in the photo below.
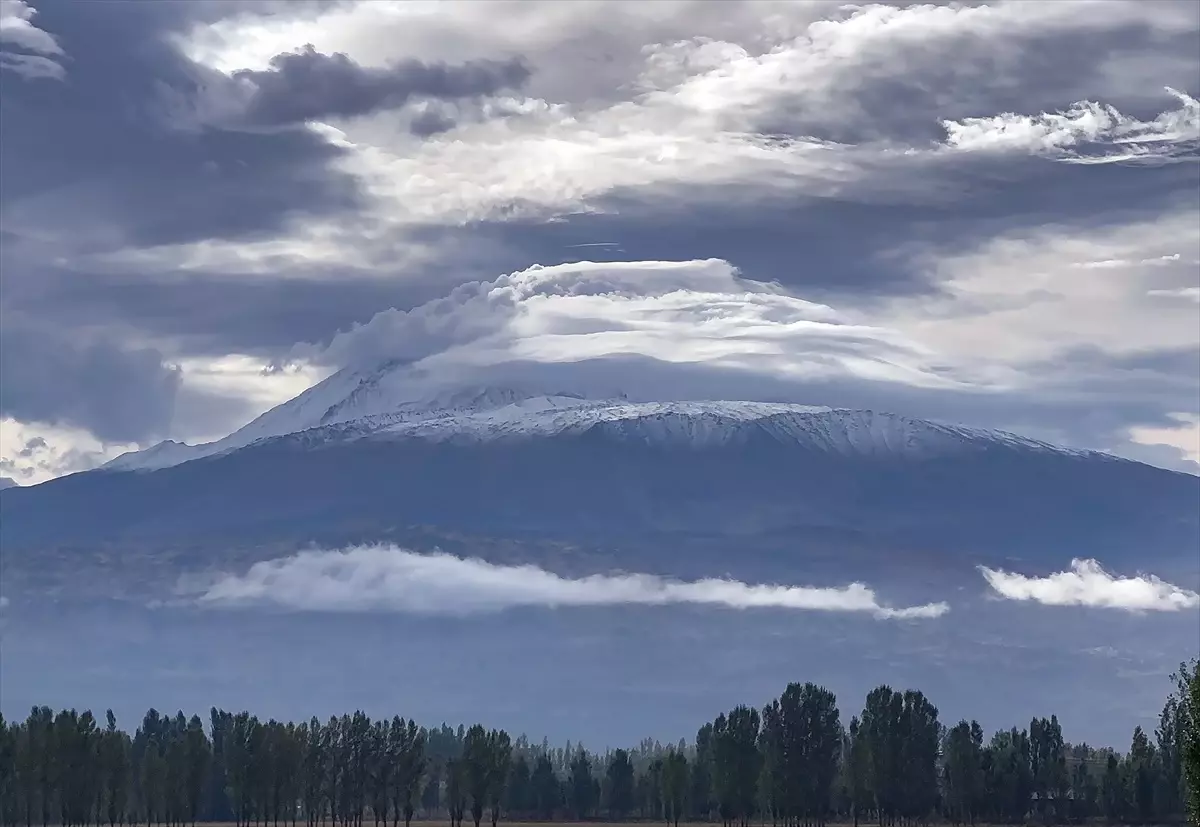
(467, 822)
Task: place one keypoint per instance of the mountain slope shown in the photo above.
(369, 455)
(608, 483)
(390, 402)
(580, 484)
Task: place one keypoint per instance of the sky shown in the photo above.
(983, 213)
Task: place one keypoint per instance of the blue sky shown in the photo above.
(984, 212)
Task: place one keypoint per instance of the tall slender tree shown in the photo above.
(1187, 682)
(896, 760)
(582, 788)
(499, 766)
(620, 777)
(547, 793)
(674, 784)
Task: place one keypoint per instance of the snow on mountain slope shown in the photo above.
(389, 402)
(706, 423)
(389, 393)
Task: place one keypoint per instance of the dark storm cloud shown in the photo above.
(840, 249)
(905, 96)
(31, 446)
(92, 162)
(430, 122)
(120, 394)
(90, 165)
(212, 314)
(307, 85)
(824, 249)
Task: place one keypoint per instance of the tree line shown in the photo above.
(790, 763)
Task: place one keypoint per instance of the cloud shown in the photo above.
(814, 104)
(387, 578)
(17, 30)
(306, 85)
(987, 347)
(1192, 293)
(1088, 584)
(120, 394)
(96, 166)
(800, 143)
(431, 121)
(1002, 298)
(686, 313)
(1087, 133)
(1183, 434)
(33, 452)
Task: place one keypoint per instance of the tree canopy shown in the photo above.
(791, 762)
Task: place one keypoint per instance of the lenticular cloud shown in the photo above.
(386, 578)
(1088, 584)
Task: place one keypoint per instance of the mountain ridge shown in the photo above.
(368, 455)
(389, 402)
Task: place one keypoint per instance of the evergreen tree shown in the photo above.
(1113, 790)
(520, 800)
(582, 786)
(477, 763)
(857, 769)
(547, 792)
(499, 767)
(674, 785)
(620, 784)
(963, 772)
(895, 761)
(1187, 681)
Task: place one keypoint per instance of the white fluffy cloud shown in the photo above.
(1087, 133)
(386, 578)
(33, 452)
(17, 30)
(1088, 584)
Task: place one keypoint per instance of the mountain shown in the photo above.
(99, 566)
(367, 455)
(8, 482)
(388, 402)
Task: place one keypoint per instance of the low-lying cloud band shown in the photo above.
(387, 578)
(1088, 584)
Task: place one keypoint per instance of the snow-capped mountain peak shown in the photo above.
(386, 394)
(389, 402)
